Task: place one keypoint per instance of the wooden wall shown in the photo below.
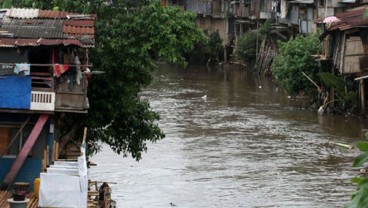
(353, 51)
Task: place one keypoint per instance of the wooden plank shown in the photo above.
(19, 161)
(4, 140)
(57, 151)
(47, 155)
(53, 151)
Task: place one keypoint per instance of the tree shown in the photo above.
(130, 36)
(296, 57)
(359, 198)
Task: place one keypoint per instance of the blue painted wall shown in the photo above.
(31, 169)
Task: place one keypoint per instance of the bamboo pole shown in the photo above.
(362, 96)
(57, 151)
(53, 151)
(361, 78)
(84, 135)
(348, 146)
(44, 160)
(47, 155)
(310, 79)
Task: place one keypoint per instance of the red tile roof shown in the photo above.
(32, 27)
(53, 14)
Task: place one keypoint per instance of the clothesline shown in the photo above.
(72, 65)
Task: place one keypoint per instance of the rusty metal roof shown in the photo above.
(33, 27)
(351, 19)
(14, 42)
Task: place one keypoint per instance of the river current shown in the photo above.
(233, 139)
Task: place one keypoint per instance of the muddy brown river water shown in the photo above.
(244, 144)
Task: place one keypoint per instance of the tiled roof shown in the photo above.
(33, 27)
(53, 14)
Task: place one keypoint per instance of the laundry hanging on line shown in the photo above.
(59, 69)
(25, 68)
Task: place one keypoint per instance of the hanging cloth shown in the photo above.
(25, 68)
(78, 68)
(59, 69)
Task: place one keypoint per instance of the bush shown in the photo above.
(360, 197)
(296, 57)
(212, 49)
(246, 47)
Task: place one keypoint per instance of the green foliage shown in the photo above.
(296, 57)
(130, 36)
(247, 43)
(214, 47)
(359, 198)
(210, 49)
(346, 97)
(334, 81)
(265, 28)
(6, 3)
(246, 47)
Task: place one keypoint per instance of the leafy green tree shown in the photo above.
(296, 57)
(359, 198)
(130, 37)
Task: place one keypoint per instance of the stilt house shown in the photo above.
(345, 50)
(43, 74)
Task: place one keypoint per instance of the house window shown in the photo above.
(322, 3)
(11, 140)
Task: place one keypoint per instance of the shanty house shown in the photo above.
(346, 48)
(43, 74)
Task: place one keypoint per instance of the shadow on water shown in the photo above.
(233, 140)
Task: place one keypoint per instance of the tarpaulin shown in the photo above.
(15, 92)
(61, 190)
(65, 184)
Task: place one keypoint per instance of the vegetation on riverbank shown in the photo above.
(359, 198)
(130, 37)
(247, 43)
(210, 52)
(294, 58)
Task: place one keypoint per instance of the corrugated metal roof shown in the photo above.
(26, 27)
(22, 13)
(34, 28)
(14, 42)
(350, 19)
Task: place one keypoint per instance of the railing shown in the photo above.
(43, 101)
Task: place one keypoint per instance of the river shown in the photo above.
(246, 144)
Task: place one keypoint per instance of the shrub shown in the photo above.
(296, 57)
(246, 47)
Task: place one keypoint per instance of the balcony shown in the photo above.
(42, 91)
